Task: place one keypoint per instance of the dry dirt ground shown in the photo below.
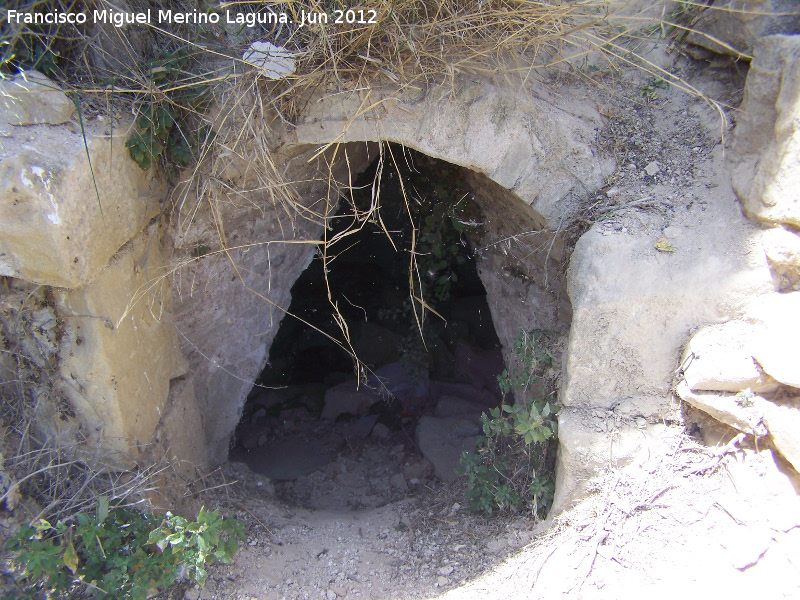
(699, 519)
(721, 520)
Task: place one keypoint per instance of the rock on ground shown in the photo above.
(30, 98)
(442, 440)
(348, 398)
(739, 24)
(782, 248)
(720, 358)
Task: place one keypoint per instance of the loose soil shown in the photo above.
(698, 521)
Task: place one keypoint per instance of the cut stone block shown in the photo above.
(53, 228)
(623, 291)
(766, 142)
(720, 358)
(30, 98)
(584, 455)
(779, 346)
(119, 350)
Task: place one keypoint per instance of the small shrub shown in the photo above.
(163, 128)
(512, 466)
(509, 469)
(119, 552)
(533, 357)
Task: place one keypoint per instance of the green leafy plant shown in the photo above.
(488, 484)
(119, 552)
(163, 126)
(509, 469)
(532, 355)
(444, 219)
(745, 398)
(439, 252)
(31, 53)
(649, 90)
(200, 250)
(512, 465)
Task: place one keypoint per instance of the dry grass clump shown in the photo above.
(397, 42)
(55, 481)
(416, 41)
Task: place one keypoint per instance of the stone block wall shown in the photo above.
(714, 324)
(79, 220)
(762, 395)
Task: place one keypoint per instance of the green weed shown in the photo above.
(649, 90)
(119, 552)
(163, 127)
(533, 356)
(512, 466)
(444, 219)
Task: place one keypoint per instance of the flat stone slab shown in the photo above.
(442, 440)
(453, 406)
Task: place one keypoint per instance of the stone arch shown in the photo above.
(108, 282)
(159, 346)
(527, 161)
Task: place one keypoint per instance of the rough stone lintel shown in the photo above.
(522, 142)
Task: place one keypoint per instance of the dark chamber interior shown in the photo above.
(303, 433)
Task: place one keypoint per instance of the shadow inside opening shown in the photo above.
(328, 440)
